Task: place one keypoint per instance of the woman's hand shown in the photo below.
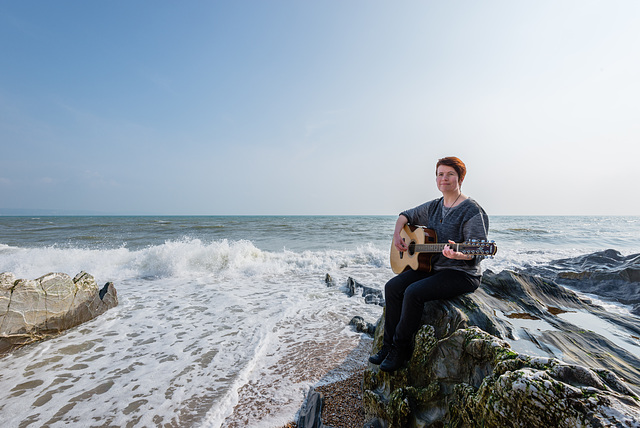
(397, 239)
(450, 253)
(399, 242)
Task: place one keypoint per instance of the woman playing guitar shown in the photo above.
(455, 218)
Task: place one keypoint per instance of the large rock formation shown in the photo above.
(32, 310)
(469, 367)
(605, 273)
(472, 379)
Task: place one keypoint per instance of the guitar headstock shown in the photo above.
(477, 247)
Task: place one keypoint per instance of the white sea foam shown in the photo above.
(200, 328)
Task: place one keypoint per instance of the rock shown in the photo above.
(472, 379)
(362, 326)
(464, 370)
(605, 273)
(568, 327)
(32, 310)
(310, 414)
(329, 280)
(371, 295)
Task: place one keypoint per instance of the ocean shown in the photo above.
(224, 321)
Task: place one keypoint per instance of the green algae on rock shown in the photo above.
(460, 375)
(474, 379)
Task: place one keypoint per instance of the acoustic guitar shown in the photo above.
(423, 244)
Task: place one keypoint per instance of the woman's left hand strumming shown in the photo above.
(449, 252)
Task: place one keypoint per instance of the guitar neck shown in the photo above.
(434, 248)
(479, 248)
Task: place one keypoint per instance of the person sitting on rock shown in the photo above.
(455, 218)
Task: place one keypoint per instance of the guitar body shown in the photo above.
(411, 259)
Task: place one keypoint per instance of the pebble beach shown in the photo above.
(342, 402)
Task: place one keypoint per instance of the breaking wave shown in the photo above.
(182, 258)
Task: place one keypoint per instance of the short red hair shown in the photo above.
(454, 163)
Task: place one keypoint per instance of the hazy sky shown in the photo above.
(318, 107)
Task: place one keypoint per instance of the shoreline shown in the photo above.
(341, 390)
(341, 403)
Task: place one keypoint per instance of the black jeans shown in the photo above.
(405, 295)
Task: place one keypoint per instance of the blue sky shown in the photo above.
(325, 107)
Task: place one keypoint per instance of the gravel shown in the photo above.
(342, 404)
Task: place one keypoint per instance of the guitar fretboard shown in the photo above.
(478, 249)
(431, 248)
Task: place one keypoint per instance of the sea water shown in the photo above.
(223, 321)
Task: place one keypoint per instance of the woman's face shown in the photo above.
(447, 179)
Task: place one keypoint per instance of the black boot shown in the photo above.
(395, 359)
(380, 356)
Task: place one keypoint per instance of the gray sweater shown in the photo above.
(461, 223)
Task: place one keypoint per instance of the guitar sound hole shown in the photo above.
(412, 248)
